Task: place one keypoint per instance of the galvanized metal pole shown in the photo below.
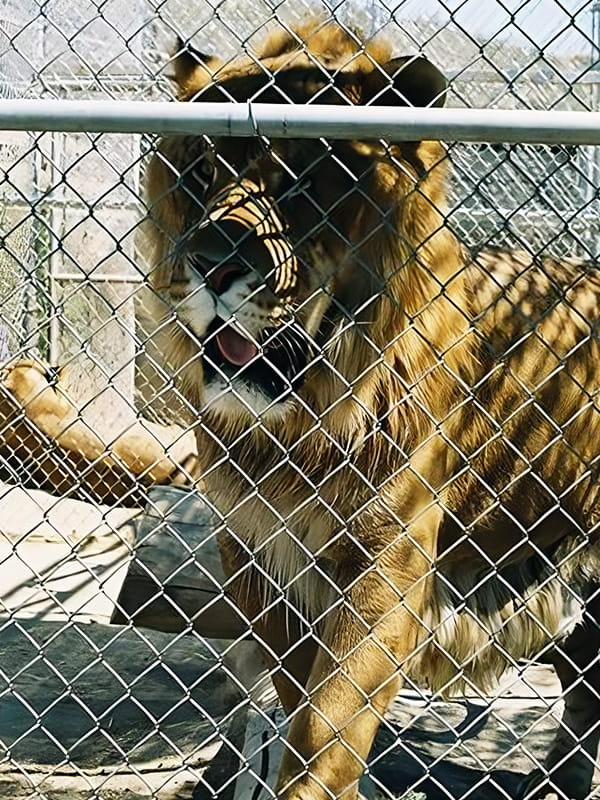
(286, 120)
(591, 166)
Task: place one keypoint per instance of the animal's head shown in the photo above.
(283, 260)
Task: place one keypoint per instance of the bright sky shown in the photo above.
(558, 26)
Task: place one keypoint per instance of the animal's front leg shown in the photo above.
(367, 639)
(289, 652)
(288, 648)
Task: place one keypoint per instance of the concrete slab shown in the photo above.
(92, 710)
(61, 558)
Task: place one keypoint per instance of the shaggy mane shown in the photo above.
(409, 415)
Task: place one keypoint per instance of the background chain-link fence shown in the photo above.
(90, 709)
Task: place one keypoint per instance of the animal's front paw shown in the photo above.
(27, 379)
(35, 387)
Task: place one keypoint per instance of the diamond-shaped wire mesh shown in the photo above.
(299, 439)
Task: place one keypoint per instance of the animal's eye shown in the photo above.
(198, 177)
(299, 186)
(203, 169)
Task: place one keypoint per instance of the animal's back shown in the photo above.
(519, 555)
(535, 414)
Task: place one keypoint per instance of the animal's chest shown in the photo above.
(288, 538)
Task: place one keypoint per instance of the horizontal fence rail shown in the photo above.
(282, 120)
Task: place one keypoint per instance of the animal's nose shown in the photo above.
(246, 236)
(218, 252)
(224, 250)
(220, 241)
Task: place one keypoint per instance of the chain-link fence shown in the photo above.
(299, 436)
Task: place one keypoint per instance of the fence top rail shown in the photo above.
(281, 120)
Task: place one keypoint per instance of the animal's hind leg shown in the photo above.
(569, 766)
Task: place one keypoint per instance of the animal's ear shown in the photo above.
(405, 81)
(192, 69)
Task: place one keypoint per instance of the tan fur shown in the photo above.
(326, 43)
(38, 420)
(428, 494)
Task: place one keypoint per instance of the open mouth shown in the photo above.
(277, 363)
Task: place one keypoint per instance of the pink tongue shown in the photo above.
(235, 348)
